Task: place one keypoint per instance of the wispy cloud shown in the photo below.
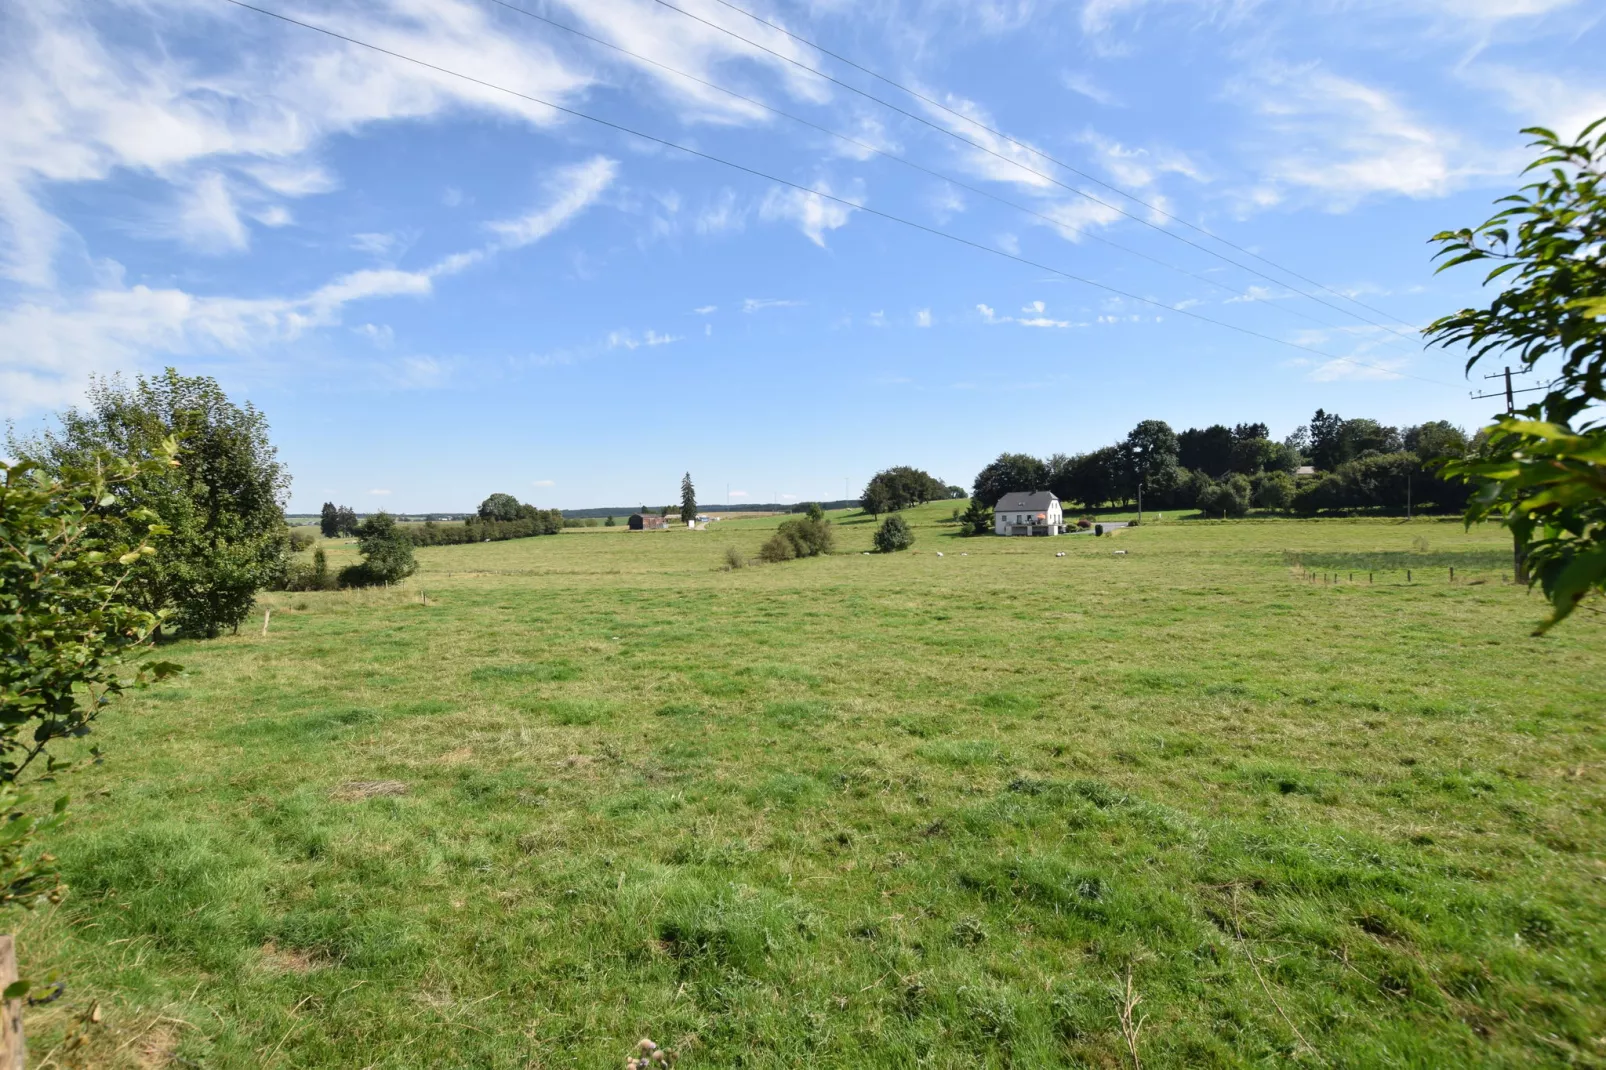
(570, 190)
(543, 482)
(706, 310)
(758, 304)
(923, 317)
(379, 491)
(629, 340)
(814, 215)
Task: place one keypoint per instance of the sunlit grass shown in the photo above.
(858, 811)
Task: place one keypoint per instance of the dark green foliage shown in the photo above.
(1010, 472)
(893, 535)
(1228, 498)
(1543, 469)
(502, 507)
(1381, 482)
(1208, 450)
(977, 519)
(900, 487)
(329, 520)
(610, 523)
(1149, 449)
(313, 576)
(69, 636)
(223, 503)
(531, 522)
(301, 539)
(688, 499)
(806, 537)
(1272, 490)
(346, 520)
(813, 511)
(387, 554)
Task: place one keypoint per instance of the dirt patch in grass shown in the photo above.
(357, 790)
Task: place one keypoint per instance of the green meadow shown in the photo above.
(1238, 796)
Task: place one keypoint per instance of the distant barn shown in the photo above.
(647, 522)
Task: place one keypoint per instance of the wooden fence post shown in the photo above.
(266, 613)
(13, 1048)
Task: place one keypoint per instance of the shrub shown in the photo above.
(777, 548)
(814, 511)
(1230, 497)
(301, 539)
(734, 558)
(1272, 490)
(314, 577)
(387, 554)
(1084, 523)
(893, 535)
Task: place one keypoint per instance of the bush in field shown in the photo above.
(301, 539)
(900, 487)
(387, 554)
(1272, 490)
(734, 558)
(311, 577)
(813, 511)
(805, 537)
(893, 535)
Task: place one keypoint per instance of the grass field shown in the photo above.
(859, 811)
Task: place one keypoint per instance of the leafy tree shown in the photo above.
(1092, 479)
(71, 637)
(688, 499)
(904, 486)
(609, 523)
(346, 520)
(876, 499)
(1360, 437)
(387, 554)
(1149, 449)
(223, 504)
(301, 539)
(1208, 450)
(1009, 473)
(1326, 437)
(814, 512)
(500, 507)
(957, 493)
(1272, 490)
(1230, 497)
(1542, 470)
(893, 535)
(1435, 440)
(329, 520)
(977, 519)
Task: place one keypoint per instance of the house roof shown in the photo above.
(1023, 502)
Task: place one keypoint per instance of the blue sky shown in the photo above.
(436, 290)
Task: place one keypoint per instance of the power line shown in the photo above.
(620, 127)
(1016, 163)
(867, 146)
(1039, 152)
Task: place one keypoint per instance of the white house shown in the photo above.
(1020, 513)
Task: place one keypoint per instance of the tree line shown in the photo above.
(1360, 464)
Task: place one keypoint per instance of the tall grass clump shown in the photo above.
(734, 559)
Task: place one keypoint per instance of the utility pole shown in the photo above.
(1519, 560)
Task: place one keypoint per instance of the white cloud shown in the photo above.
(543, 482)
(1337, 370)
(1082, 83)
(209, 220)
(923, 317)
(757, 304)
(623, 339)
(723, 215)
(878, 318)
(706, 310)
(1035, 306)
(1564, 102)
(376, 244)
(379, 491)
(990, 315)
(737, 494)
(1340, 141)
(571, 190)
(1043, 321)
(381, 336)
(813, 214)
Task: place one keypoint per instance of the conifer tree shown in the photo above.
(688, 499)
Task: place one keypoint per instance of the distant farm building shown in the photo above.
(647, 522)
(1036, 513)
(1305, 470)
